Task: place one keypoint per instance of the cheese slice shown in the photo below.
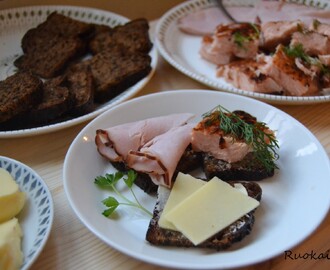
(210, 209)
(12, 200)
(11, 256)
(184, 186)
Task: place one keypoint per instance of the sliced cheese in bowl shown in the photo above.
(209, 209)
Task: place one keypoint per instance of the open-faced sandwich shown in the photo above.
(215, 210)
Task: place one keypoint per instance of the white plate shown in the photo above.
(13, 25)
(182, 51)
(36, 218)
(281, 223)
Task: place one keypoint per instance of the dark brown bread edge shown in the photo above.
(128, 79)
(222, 240)
(248, 169)
(28, 90)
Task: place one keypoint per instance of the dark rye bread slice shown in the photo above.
(221, 241)
(19, 93)
(52, 44)
(79, 80)
(55, 25)
(132, 36)
(249, 168)
(114, 71)
(55, 103)
(50, 58)
(65, 95)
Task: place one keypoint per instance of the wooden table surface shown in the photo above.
(72, 246)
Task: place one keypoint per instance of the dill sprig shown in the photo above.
(298, 51)
(240, 38)
(253, 133)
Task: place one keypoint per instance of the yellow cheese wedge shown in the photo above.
(11, 198)
(11, 256)
(210, 209)
(183, 187)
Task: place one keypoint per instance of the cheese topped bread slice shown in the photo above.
(181, 215)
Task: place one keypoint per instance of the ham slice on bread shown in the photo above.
(160, 156)
(116, 142)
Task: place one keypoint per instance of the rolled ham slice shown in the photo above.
(160, 156)
(115, 142)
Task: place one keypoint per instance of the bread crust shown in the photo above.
(249, 168)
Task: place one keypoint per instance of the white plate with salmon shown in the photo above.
(287, 195)
(272, 53)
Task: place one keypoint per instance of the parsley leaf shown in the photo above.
(110, 181)
(112, 204)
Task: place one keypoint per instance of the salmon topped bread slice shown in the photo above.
(228, 150)
(284, 70)
(231, 41)
(209, 138)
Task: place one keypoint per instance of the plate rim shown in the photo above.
(125, 95)
(154, 261)
(28, 264)
(180, 10)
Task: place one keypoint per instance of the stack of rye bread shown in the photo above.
(69, 66)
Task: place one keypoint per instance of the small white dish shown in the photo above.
(295, 189)
(36, 218)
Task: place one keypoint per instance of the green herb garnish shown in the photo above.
(110, 181)
(241, 38)
(264, 144)
(298, 51)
